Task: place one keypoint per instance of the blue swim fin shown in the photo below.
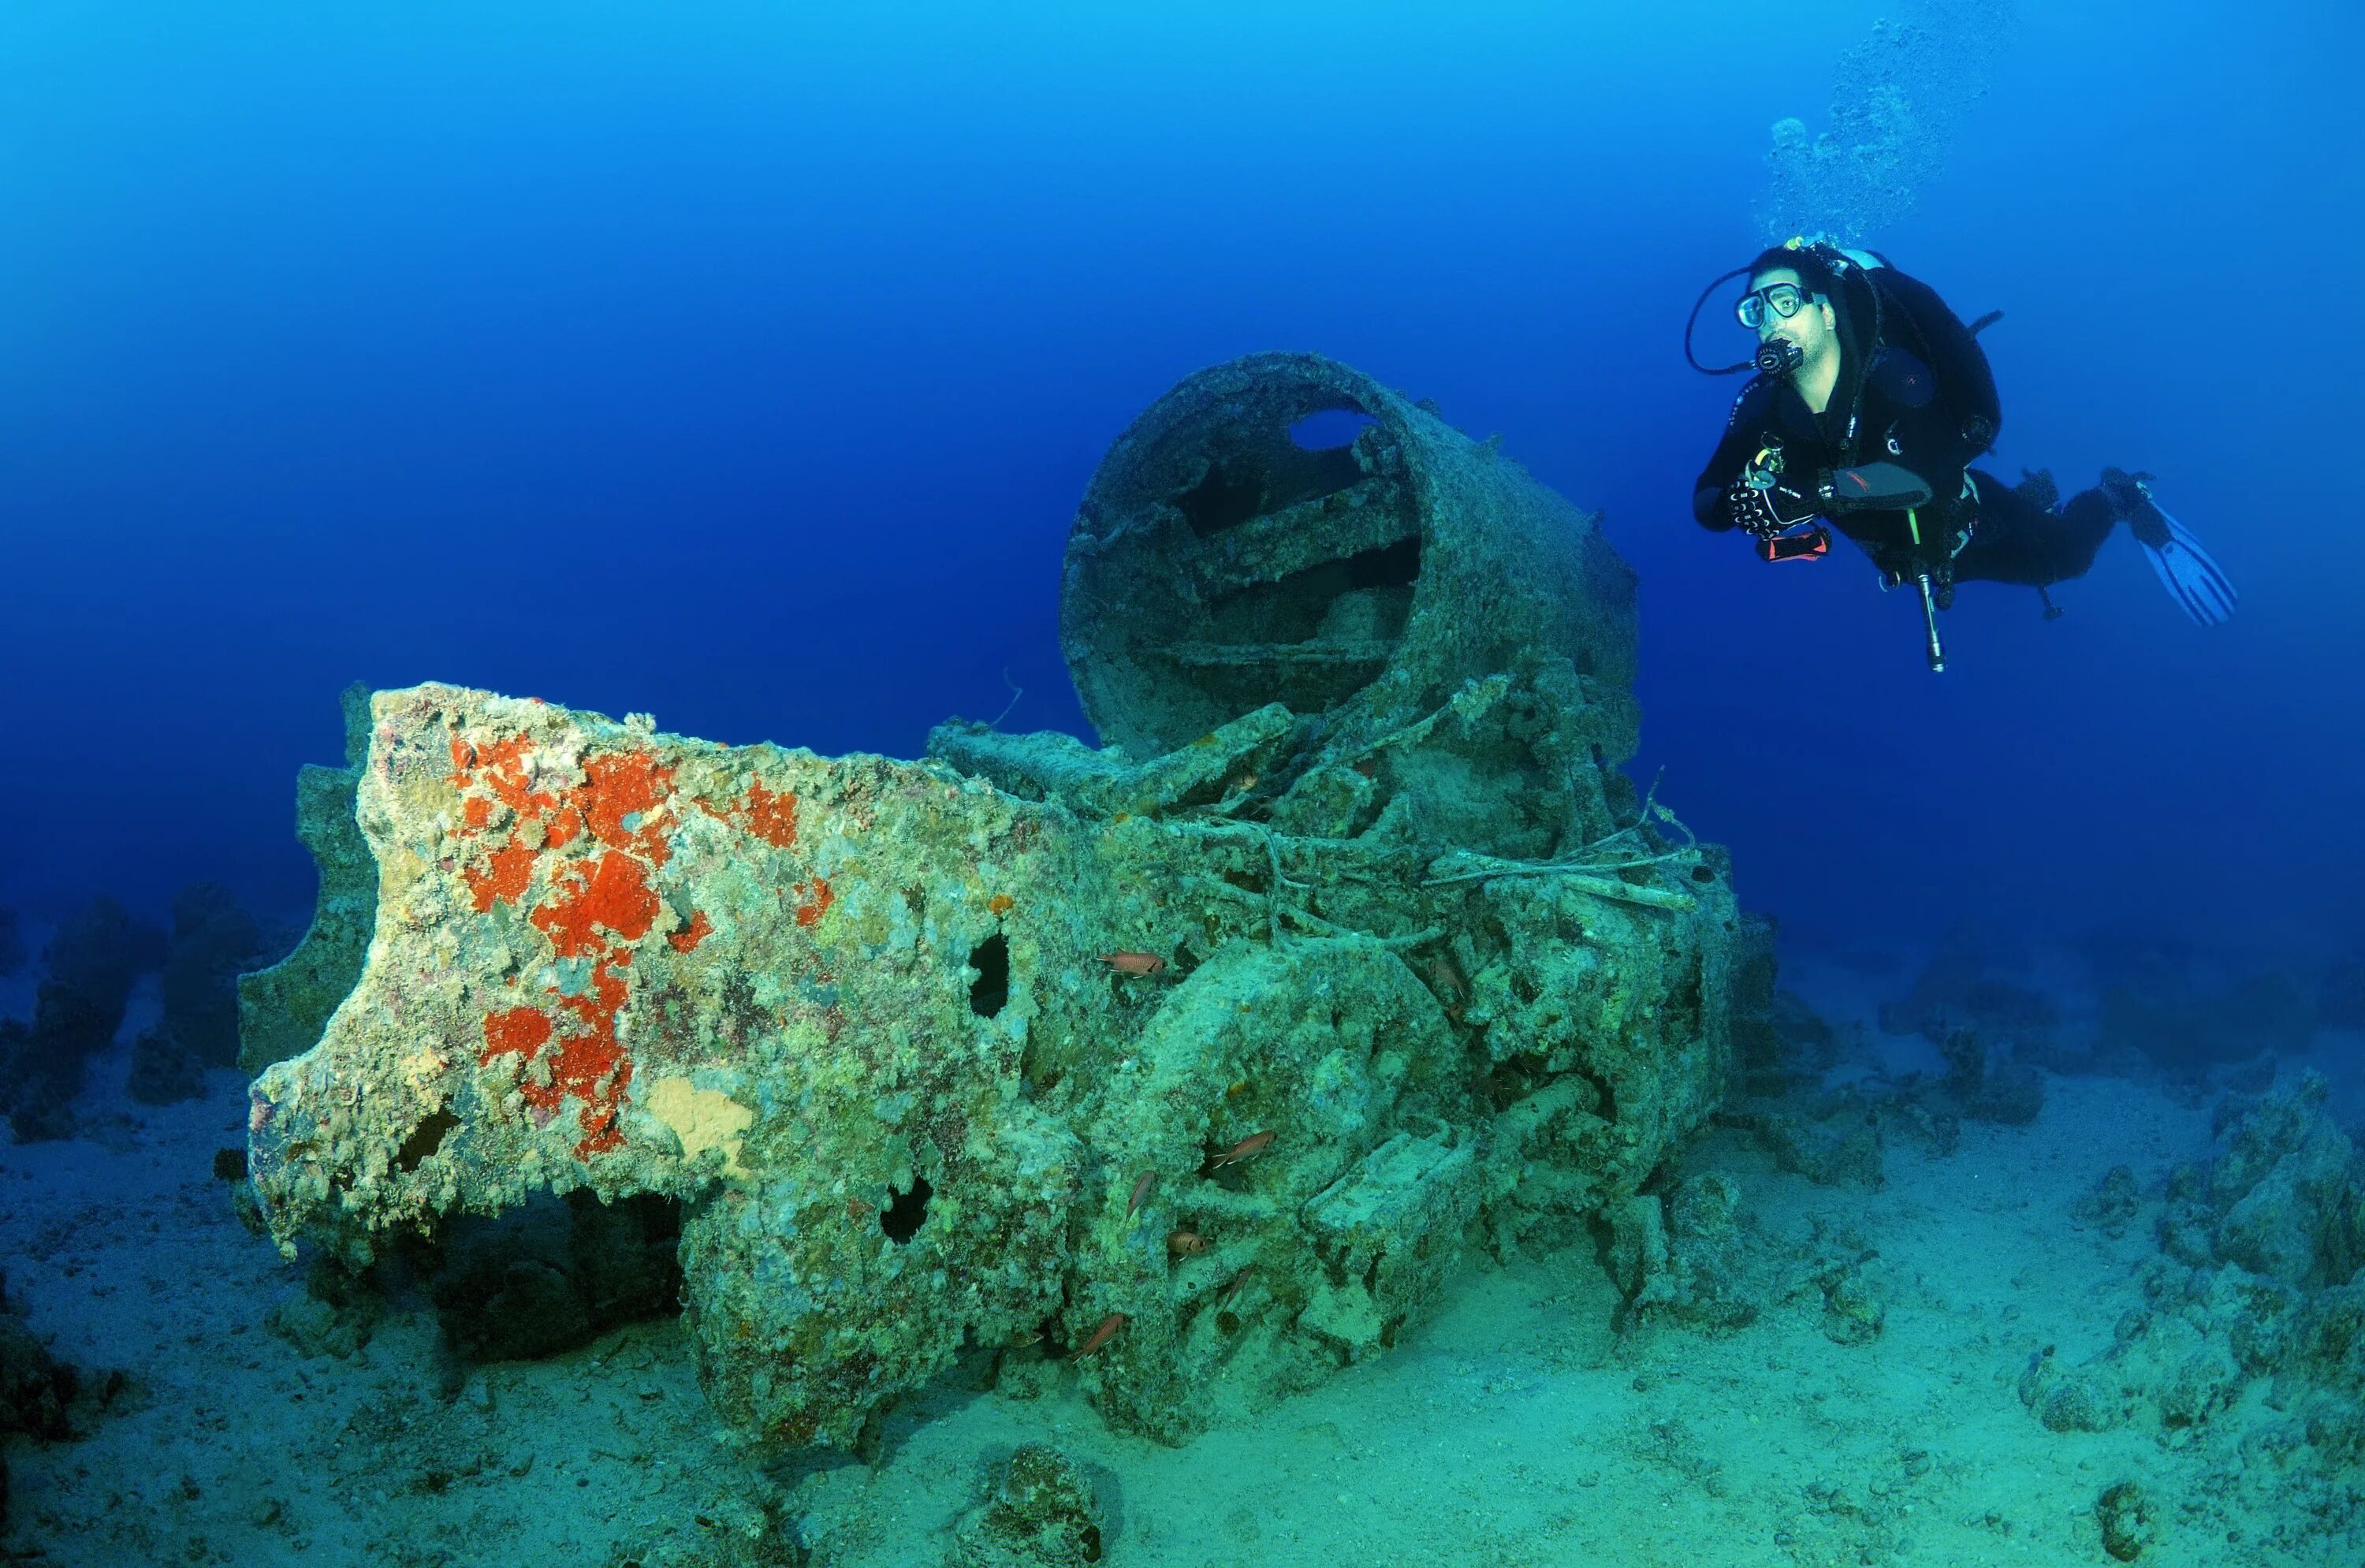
(2196, 582)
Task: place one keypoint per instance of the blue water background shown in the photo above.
(744, 366)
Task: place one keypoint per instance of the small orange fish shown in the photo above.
(1185, 1244)
(1101, 1334)
(1127, 963)
(1141, 1191)
(1253, 1145)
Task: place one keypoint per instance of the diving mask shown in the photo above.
(1784, 299)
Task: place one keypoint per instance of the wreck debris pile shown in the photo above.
(1188, 1065)
(283, 1009)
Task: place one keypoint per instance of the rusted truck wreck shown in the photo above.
(1196, 1061)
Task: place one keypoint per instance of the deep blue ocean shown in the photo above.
(744, 366)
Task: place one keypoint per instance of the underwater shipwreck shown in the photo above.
(1190, 1067)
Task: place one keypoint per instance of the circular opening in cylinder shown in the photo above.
(1255, 539)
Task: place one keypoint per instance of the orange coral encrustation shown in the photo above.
(770, 815)
(593, 904)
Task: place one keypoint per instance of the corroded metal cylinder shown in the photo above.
(1217, 565)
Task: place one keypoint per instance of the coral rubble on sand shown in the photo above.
(2258, 1281)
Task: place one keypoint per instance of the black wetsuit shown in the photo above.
(2016, 534)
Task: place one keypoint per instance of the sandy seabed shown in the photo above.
(1513, 1427)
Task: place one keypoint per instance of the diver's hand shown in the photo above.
(1762, 505)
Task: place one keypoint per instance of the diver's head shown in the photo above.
(1789, 298)
(1806, 302)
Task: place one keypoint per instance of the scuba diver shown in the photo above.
(1870, 403)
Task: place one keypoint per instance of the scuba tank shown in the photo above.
(1912, 317)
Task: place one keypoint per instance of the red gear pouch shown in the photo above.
(1811, 547)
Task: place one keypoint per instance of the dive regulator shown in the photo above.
(1779, 356)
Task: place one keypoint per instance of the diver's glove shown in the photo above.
(1762, 504)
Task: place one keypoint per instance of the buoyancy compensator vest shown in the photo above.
(1909, 314)
(1894, 307)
